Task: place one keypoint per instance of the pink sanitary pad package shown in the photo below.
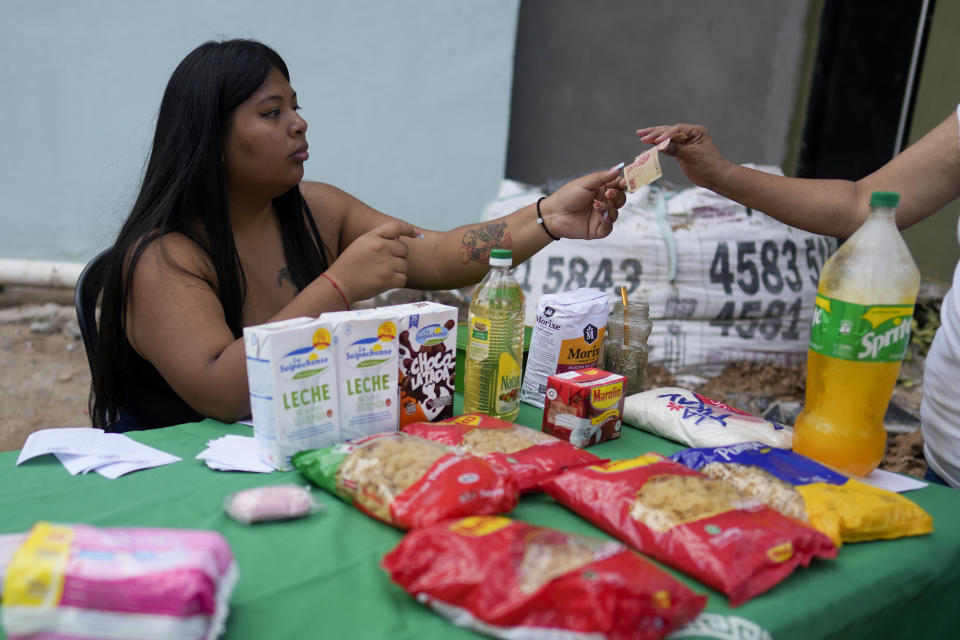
(76, 581)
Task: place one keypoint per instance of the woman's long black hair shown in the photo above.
(184, 190)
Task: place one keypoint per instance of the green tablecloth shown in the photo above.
(320, 576)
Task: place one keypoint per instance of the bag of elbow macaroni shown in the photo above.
(697, 421)
(693, 523)
(510, 579)
(409, 482)
(844, 508)
(531, 456)
(77, 581)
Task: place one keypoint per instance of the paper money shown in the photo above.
(645, 168)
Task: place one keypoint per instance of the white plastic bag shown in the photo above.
(689, 418)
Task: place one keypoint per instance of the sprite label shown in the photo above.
(860, 333)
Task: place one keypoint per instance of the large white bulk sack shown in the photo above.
(724, 283)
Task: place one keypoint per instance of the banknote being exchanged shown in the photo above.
(645, 168)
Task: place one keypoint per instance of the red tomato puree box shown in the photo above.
(584, 407)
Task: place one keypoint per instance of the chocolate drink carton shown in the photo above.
(292, 378)
(366, 350)
(427, 359)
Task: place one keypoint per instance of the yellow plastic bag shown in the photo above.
(843, 508)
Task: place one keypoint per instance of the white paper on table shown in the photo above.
(246, 421)
(890, 481)
(132, 456)
(234, 453)
(70, 440)
(82, 463)
(81, 450)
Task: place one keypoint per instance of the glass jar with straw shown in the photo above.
(625, 347)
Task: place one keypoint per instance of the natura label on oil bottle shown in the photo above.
(509, 376)
(861, 333)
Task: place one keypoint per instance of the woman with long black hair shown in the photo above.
(225, 234)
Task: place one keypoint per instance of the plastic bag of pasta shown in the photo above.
(509, 579)
(697, 525)
(532, 456)
(844, 508)
(409, 482)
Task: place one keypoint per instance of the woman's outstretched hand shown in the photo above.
(586, 207)
(693, 148)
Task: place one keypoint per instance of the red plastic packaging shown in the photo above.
(408, 482)
(531, 456)
(506, 578)
(692, 523)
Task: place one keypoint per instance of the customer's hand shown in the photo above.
(694, 150)
(374, 262)
(585, 207)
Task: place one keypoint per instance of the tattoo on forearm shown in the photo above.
(477, 242)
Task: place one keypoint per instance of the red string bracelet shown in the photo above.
(339, 290)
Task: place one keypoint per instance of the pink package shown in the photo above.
(68, 582)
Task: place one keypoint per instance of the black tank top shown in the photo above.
(148, 401)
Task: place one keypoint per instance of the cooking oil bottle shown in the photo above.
(859, 335)
(495, 342)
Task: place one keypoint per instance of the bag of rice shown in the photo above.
(697, 525)
(844, 508)
(509, 579)
(567, 336)
(531, 456)
(697, 421)
(407, 481)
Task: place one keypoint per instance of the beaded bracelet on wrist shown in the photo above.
(541, 221)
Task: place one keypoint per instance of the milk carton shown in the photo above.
(293, 387)
(365, 348)
(427, 359)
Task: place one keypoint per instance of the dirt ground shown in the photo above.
(45, 379)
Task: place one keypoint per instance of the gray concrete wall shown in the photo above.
(408, 103)
(588, 74)
(933, 242)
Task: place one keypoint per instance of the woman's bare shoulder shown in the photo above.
(170, 254)
(326, 198)
(330, 208)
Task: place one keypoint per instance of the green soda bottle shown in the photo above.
(495, 342)
(859, 335)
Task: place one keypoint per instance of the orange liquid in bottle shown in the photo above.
(841, 424)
